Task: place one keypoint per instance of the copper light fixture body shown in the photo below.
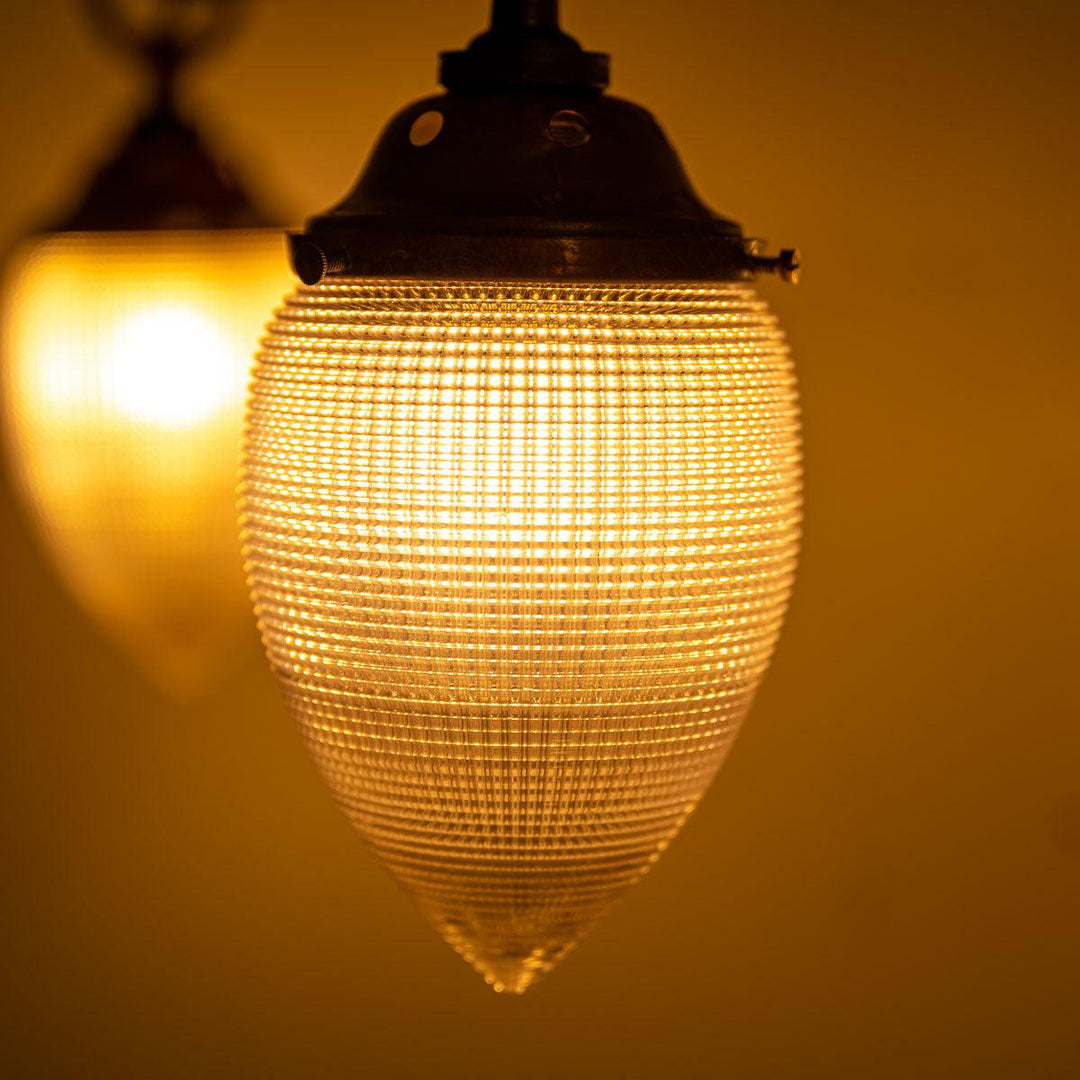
(520, 495)
(527, 170)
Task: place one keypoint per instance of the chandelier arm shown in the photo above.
(171, 37)
(163, 174)
(110, 24)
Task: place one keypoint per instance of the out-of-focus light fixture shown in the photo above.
(520, 497)
(128, 333)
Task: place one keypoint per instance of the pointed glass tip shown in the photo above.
(512, 975)
(508, 967)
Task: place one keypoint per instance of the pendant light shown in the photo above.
(520, 494)
(127, 339)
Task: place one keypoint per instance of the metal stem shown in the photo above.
(524, 14)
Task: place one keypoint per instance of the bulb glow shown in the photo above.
(170, 365)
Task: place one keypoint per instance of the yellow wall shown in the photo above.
(884, 881)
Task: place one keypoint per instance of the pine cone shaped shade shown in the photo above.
(520, 554)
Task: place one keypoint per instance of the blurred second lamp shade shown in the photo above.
(126, 361)
(128, 333)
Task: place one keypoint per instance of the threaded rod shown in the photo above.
(524, 14)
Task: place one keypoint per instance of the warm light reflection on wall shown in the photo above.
(126, 359)
(520, 555)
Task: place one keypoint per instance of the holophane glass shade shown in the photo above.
(520, 554)
(126, 361)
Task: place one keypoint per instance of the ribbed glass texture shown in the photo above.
(520, 555)
(126, 358)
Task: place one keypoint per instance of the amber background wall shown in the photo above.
(885, 880)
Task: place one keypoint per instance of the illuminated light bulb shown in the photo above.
(127, 340)
(170, 366)
(520, 495)
(127, 357)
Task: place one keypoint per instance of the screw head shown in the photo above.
(789, 265)
(569, 128)
(310, 262)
